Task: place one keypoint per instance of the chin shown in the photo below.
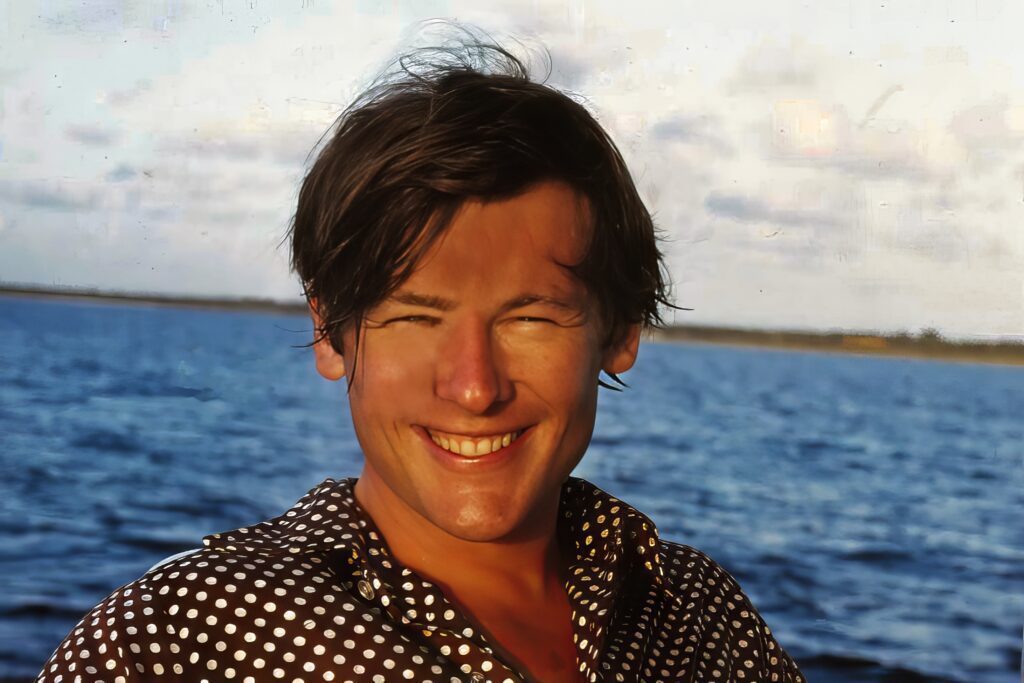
(480, 521)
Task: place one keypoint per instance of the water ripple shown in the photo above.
(869, 506)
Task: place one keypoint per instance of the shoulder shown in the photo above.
(208, 609)
(734, 641)
(695, 611)
(124, 635)
(203, 612)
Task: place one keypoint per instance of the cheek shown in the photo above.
(386, 377)
(563, 375)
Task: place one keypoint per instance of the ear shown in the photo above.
(329, 363)
(621, 355)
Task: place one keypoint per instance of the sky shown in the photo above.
(819, 165)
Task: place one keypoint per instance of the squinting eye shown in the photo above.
(413, 319)
(528, 319)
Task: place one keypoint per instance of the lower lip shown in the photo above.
(458, 463)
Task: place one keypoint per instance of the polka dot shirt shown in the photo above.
(314, 595)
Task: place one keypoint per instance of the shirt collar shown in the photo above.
(599, 527)
(615, 546)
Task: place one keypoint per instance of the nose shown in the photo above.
(469, 372)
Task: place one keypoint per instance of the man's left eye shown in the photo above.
(531, 319)
(412, 319)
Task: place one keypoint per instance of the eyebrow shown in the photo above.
(524, 300)
(423, 300)
(442, 304)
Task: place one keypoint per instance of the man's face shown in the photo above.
(475, 387)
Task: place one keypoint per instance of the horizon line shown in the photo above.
(298, 306)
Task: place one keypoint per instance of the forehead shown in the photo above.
(544, 228)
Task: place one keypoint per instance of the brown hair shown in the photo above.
(445, 125)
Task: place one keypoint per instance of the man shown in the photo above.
(474, 253)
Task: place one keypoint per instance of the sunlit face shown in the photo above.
(475, 387)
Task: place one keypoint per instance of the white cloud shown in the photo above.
(847, 166)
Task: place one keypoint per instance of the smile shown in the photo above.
(472, 446)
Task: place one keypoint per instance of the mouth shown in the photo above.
(473, 446)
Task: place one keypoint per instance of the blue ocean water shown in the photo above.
(871, 508)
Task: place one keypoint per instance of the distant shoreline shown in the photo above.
(853, 343)
(75, 294)
(926, 345)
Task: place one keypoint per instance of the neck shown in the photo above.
(526, 564)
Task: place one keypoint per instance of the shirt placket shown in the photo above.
(591, 596)
(444, 628)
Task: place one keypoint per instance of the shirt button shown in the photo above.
(365, 589)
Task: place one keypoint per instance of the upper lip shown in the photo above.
(476, 433)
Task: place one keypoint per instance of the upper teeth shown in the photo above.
(472, 447)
